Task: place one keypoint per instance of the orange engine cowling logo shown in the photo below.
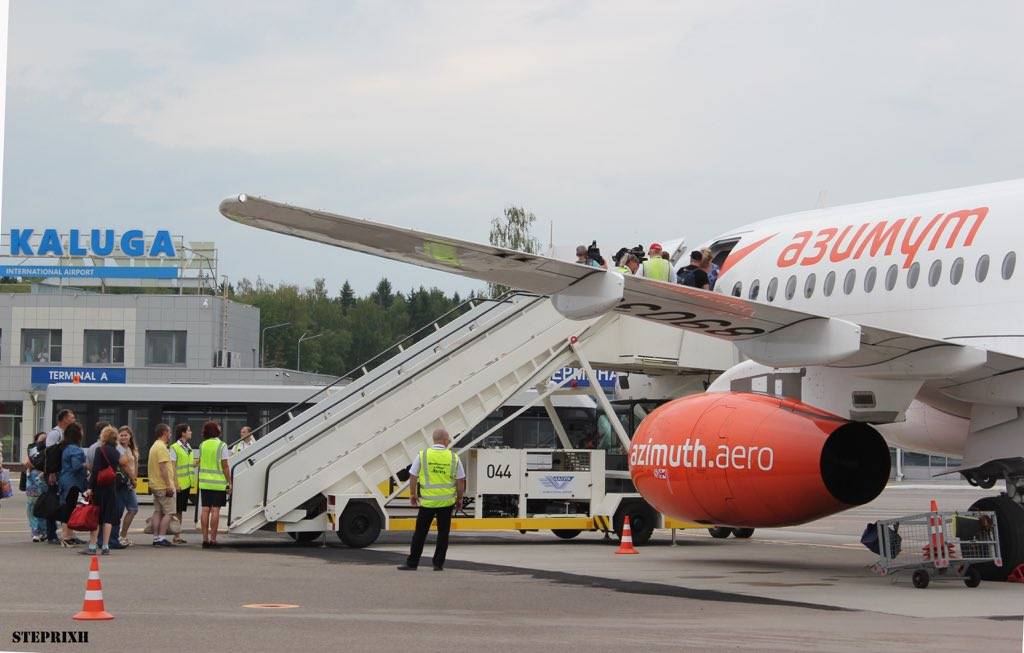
(742, 459)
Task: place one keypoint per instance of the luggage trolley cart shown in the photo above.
(939, 545)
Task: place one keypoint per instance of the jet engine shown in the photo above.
(749, 460)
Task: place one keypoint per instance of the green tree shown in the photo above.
(513, 230)
(347, 296)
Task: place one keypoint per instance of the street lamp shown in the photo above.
(263, 339)
(298, 349)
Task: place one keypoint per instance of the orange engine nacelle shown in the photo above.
(739, 459)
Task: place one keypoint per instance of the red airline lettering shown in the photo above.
(825, 237)
(791, 254)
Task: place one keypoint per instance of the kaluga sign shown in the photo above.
(94, 242)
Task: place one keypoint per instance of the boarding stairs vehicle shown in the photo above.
(338, 464)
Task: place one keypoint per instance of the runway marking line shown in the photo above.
(270, 606)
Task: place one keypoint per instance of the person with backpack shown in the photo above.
(51, 467)
(692, 275)
(35, 485)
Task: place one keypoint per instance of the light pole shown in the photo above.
(298, 349)
(263, 338)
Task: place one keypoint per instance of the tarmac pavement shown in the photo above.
(785, 589)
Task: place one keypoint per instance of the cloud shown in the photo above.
(621, 123)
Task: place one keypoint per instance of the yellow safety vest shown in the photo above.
(438, 471)
(657, 268)
(211, 476)
(183, 465)
(622, 269)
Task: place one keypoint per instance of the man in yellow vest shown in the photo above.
(656, 267)
(182, 459)
(629, 265)
(437, 483)
(214, 482)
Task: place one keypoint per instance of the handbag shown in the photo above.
(106, 477)
(23, 481)
(85, 517)
(46, 506)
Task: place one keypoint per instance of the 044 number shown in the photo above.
(499, 471)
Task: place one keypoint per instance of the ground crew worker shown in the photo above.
(629, 265)
(437, 483)
(656, 267)
(246, 441)
(183, 461)
(214, 482)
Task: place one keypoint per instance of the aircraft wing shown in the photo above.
(769, 334)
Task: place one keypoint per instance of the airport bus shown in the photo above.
(143, 406)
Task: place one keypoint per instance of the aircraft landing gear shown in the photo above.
(1010, 521)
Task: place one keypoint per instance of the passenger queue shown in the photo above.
(92, 490)
(655, 263)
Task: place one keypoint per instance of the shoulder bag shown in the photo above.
(106, 477)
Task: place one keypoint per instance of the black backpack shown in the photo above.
(687, 276)
(37, 457)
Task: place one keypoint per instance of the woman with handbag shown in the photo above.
(35, 485)
(103, 489)
(72, 479)
(126, 490)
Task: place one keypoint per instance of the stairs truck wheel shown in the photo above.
(742, 533)
(1010, 522)
(642, 519)
(720, 532)
(359, 525)
(305, 537)
(566, 533)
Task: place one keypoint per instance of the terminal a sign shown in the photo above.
(43, 376)
(579, 380)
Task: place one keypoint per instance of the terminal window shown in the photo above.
(165, 348)
(40, 345)
(104, 347)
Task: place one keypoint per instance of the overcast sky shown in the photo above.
(623, 122)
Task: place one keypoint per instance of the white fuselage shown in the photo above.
(940, 265)
(959, 246)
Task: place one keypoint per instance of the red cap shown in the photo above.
(654, 246)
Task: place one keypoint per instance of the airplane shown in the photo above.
(889, 322)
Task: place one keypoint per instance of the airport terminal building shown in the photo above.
(116, 318)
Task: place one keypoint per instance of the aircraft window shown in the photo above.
(755, 287)
(737, 289)
(890, 276)
(869, 279)
(850, 281)
(912, 274)
(830, 284)
(809, 285)
(956, 271)
(1009, 263)
(935, 273)
(981, 270)
(773, 285)
(791, 287)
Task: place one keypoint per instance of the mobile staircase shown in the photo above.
(344, 449)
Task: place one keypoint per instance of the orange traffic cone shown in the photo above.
(626, 541)
(92, 606)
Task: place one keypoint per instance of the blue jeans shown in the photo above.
(35, 524)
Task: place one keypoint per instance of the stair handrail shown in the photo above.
(325, 428)
(364, 368)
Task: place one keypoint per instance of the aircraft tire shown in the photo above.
(1010, 521)
(720, 532)
(742, 533)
